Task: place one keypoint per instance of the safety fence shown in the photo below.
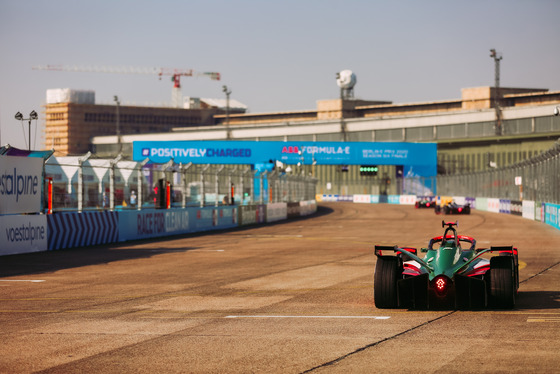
(83, 184)
(535, 179)
(66, 202)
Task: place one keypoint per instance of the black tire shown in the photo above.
(502, 282)
(387, 272)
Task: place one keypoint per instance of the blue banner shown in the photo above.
(552, 214)
(421, 155)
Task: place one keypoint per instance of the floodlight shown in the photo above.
(19, 116)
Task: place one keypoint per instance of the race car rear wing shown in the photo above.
(508, 250)
(380, 248)
(409, 251)
(502, 249)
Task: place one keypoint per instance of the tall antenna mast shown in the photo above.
(497, 94)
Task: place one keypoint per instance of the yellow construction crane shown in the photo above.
(175, 75)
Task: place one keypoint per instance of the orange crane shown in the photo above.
(175, 74)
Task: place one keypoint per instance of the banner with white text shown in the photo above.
(23, 234)
(421, 157)
(20, 184)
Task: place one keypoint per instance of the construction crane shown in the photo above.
(176, 74)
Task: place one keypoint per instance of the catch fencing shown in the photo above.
(84, 184)
(535, 179)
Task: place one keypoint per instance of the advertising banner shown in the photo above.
(151, 223)
(307, 207)
(505, 206)
(493, 205)
(23, 234)
(293, 210)
(364, 199)
(407, 199)
(276, 212)
(528, 209)
(329, 198)
(247, 215)
(227, 217)
(551, 214)
(516, 207)
(394, 199)
(482, 203)
(422, 155)
(214, 218)
(20, 184)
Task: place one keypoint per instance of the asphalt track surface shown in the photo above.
(292, 297)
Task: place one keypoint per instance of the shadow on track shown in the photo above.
(51, 261)
(538, 300)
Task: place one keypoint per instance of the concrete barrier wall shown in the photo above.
(23, 234)
(307, 207)
(252, 214)
(68, 230)
(551, 212)
(35, 233)
(276, 212)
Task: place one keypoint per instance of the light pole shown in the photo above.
(227, 92)
(32, 115)
(116, 98)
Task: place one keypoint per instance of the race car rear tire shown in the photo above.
(387, 272)
(502, 282)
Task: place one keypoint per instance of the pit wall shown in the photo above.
(539, 211)
(40, 232)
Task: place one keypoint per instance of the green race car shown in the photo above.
(452, 274)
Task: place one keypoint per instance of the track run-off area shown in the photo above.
(290, 297)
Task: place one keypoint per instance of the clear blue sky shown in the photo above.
(273, 55)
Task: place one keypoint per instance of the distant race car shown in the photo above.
(425, 204)
(453, 208)
(448, 276)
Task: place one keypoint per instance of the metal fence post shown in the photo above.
(202, 189)
(184, 169)
(80, 191)
(114, 163)
(217, 202)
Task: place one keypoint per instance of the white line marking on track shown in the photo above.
(22, 280)
(333, 317)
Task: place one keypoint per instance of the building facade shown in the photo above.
(465, 129)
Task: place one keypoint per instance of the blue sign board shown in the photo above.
(422, 156)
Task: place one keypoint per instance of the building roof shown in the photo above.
(222, 103)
